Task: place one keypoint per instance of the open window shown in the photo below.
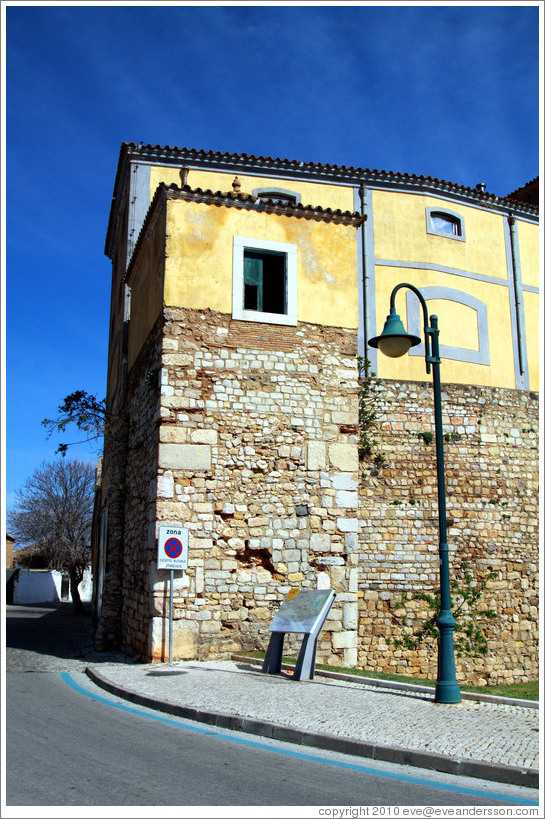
(264, 281)
(445, 223)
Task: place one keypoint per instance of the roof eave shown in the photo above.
(276, 167)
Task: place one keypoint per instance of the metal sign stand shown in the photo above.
(172, 554)
(170, 617)
(310, 627)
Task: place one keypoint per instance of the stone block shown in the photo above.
(184, 639)
(261, 613)
(350, 616)
(320, 542)
(172, 434)
(351, 543)
(316, 456)
(344, 639)
(323, 581)
(346, 500)
(203, 436)
(189, 457)
(345, 480)
(350, 657)
(165, 485)
(344, 457)
(347, 524)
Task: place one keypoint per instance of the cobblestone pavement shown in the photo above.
(496, 733)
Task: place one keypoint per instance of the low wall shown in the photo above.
(42, 586)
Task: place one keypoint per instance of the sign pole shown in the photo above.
(170, 617)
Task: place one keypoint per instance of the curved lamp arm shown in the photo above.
(427, 329)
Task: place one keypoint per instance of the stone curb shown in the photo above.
(525, 777)
(397, 686)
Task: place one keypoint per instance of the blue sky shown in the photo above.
(446, 91)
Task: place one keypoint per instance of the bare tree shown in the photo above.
(53, 512)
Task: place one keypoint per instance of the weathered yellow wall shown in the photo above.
(400, 234)
(529, 253)
(199, 266)
(312, 193)
(200, 259)
(532, 316)
(457, 327)
(146, 282)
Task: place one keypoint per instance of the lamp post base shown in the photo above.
(447, 689)
(447, 692)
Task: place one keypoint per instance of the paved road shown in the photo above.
(51, 638)
(69, 743)
(70, 748)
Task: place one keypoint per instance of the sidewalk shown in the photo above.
(492, 739)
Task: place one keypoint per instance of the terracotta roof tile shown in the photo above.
(341, 174)
(362, 174)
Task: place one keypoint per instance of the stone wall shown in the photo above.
(491, 464)
(139, 492)
(257, 456)
(248, 437)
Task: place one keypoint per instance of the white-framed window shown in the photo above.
(264, 281)
(446, 223)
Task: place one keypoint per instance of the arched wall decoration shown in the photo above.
(414, 324)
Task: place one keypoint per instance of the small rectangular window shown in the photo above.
(265, 282)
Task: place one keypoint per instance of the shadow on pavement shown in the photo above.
(54, 630)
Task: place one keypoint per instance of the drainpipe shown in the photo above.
(517, 286)
(362, 192)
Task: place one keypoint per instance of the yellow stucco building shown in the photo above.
(474, 255)
(244, 291)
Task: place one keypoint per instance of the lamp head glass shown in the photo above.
(394, 341)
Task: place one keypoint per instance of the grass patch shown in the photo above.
(518, 691)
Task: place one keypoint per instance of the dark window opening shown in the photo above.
(265, 282)
(282, 198)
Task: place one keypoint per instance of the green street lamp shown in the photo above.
(394, 341)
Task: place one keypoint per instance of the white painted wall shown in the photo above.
(42, 586)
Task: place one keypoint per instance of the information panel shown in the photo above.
(172, 547)
(302, 610)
